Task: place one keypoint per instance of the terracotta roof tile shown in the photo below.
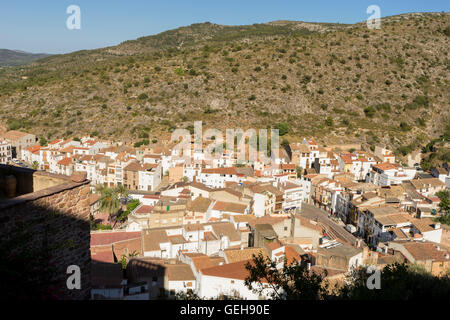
(229, 170)
(102, 254)
(144, 209)
(235, 270)
(65, 161)
(230, 207)
(235, 255)
(267, 219)
(179, 272)
(425, 251)
(103, 238)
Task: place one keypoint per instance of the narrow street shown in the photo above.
(311, 212)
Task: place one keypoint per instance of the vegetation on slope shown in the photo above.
(338, 83)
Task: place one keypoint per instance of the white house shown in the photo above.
(149, 176)
(6, 152)
(386, 174)
(216, 177)
(293, 195)
(227, 279)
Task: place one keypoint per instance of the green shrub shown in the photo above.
(282, 127)
(404, 126)
(179, 71)
(143, 96)
(14, 124)
(421, 101)
(329, 121)
(370, 112)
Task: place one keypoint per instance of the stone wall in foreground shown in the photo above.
(55, 221)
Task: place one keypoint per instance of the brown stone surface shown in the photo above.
(78, 176)
(57, 218)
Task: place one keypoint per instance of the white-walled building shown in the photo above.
(293, 195)
(386, 174)
(226, 279)
(216, 177)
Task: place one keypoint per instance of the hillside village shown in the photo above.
(179, 227)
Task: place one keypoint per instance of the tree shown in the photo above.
(283, 128)
(35, 165)
(188, 295)
(191, 295)
(444, 196)
(292, 282)
(109, 200)
(122, 191)
(133, 204)
(124, 260)
(299, 171)
(285, 143)
(43, 142)
(399, 281)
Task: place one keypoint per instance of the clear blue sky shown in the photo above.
(40, 25)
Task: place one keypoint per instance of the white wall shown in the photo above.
(259, 204)
(434, 235)
(211, 287)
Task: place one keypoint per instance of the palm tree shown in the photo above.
(35, 165)
(122, 191)
(109, 200)
(99, 188)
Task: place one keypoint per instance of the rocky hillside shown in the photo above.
(339, 83)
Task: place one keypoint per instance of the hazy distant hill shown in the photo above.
(339, 83)
(17, 58)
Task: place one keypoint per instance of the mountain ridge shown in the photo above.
(9, 58)
(340, 83)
